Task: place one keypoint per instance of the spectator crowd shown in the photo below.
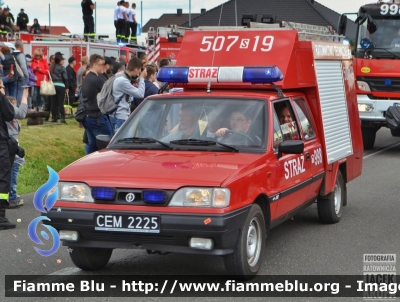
(21, 77)
(21, 92)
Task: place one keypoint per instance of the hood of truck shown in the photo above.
(157, 169)
(377, 68)
(381, 75)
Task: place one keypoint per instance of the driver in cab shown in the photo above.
(396, 41)
(239, 123)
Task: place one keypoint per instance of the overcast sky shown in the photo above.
(69, 14)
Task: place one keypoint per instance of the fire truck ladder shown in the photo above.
(306, 31)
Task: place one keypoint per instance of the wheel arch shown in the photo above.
(262, 201)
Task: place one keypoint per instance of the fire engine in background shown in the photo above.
(74, 45)
(377, 65)
(261, 124)
(164, 42)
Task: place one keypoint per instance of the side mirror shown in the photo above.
(102, 141)
(342, 25)
(372, 25)
(291, 147)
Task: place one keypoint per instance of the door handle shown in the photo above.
(307, 156)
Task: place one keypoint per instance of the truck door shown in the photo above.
(293, 170)
(312, 145)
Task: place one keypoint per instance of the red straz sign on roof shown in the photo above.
(236, 48)
(200, 74)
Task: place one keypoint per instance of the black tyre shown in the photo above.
(330, 206)
(368, 135)
(246, 260)
(395, 132)
(90, 259)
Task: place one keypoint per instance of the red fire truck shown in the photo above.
(73, 45)
(260, 125)
(164, 42)
(376, 65)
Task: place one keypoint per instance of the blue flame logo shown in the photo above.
(44, 207)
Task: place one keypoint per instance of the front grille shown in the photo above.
(377, 84)
(135, 198)
(133, 238)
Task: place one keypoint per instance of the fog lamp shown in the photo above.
(201, 243)
(69, 235)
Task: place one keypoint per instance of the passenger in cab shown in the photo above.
(284, 115)
(188, 125)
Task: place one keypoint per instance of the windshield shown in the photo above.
(202, 122)
(387, 36)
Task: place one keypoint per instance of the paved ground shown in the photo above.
(301, 246)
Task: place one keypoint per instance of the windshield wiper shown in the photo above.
(386, 51)
(199, 142)
(143, 140)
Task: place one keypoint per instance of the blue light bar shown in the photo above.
(262, 74)
(150, 196)
(103, 193)
(173, 74)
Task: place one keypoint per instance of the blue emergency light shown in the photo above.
(103, 193)
(173, 74)
(154, 196)
(262, 74)
(267, 74)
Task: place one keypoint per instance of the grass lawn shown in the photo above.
(54, 145)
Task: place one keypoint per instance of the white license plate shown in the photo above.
(127, 223)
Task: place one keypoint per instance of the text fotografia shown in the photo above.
(379, 269)
(192, 286)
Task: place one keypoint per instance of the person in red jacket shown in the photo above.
(41, 70)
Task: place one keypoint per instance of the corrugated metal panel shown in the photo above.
(334, 109)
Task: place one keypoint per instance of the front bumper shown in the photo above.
(176, 231)
(380, 106)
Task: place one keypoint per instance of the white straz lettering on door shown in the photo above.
(294, 167)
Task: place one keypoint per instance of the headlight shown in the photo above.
(74, 191)
(365, 107)
(201, 197)
(363, 86)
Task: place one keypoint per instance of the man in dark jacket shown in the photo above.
(87, 11)
(95, 123)
(6, 25)
(71, 80)
(10, 15)
(22, 21)
(6, 157)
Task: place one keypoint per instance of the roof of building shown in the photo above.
(333, 18)
(301, 11)
(168, 19)
(54, 30)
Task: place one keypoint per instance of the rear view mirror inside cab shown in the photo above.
(291, 147)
